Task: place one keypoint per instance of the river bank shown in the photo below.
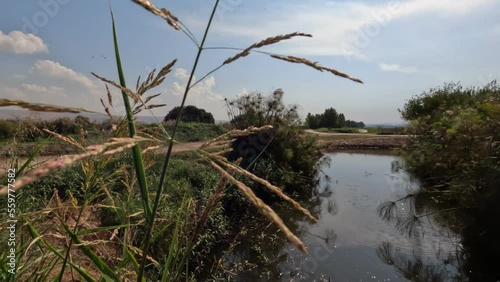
(363, 142)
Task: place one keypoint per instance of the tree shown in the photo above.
(83, 122)
(356, 124)
(312, 121)
(258, 110)
(329, 118)
(290, 156)
(341, 120)
(190, 114)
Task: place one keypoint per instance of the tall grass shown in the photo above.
(64, 246)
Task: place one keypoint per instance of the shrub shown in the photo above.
(190, 114)
(7, 129)
(456, 153)
(286, 155)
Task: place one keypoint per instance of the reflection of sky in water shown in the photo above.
(343, 245)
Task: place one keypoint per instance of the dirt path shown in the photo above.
(181, 147)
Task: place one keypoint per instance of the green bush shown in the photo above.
(7, 129)
(190, 114)
(285, 154)
(193, 131)
(455, 151)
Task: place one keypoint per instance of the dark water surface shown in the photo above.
(351, 242)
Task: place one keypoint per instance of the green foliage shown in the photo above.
(330, 118)
(7, 129)
(283, 154)
(190, 114)
(194, 131)
(455, 150)
(313, 121)
(29, 129)
(432, 104)
(85, 123)
(456, 132)
(258, 110)
(291, 160)
(186, 131)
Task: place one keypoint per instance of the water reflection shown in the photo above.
(415, 268)
(367, 230)
(473, 256)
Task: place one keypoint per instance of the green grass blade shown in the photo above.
(106, 272)
(32, 156)
(99, 229)
(172, 251)
(34, 233)
(136, 150)
(129, 257)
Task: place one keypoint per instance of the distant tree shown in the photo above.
(83, 122)
(356, 124)
(190, 114)
(258, 110)
(312, 121)
(341, 120)
(329, 118)
(64, 125)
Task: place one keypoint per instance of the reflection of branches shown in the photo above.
(409, 224)
(332, 207)
(396, 166)
(389, 210)
(413, 269)
(330, 236)
(327, 191)
(408, 220)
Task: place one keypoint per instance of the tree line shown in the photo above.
(330, 118)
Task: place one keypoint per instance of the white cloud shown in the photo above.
(62, 96)
(397, 68)
(48, 92)
(205, 90)
(339, 28)
(12, 93)
(20, 43)
(56, 70)
(202, 95)
(181, 74)
(56, 84)
(34, 93)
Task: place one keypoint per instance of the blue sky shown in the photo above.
(398, 48)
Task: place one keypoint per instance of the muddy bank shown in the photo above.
(379, 142)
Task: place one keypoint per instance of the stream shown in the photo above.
(351, 241)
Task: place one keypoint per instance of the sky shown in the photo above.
(48, 49)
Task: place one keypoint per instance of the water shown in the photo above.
(351, 241)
